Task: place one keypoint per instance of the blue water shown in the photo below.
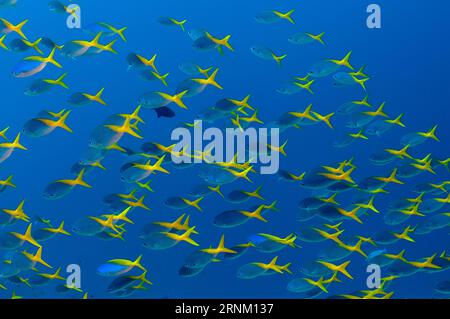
(407, 60)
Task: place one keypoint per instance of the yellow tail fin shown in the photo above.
(278, 59)
(27, 237)
(286, 16)
(58, 81)
(194, 203)
(49, 59)
(345, 61)
(79, 180)
(430, 134)
(109, 47)
(16, 28)
(397, 121)
(211, 80)
(15, 144)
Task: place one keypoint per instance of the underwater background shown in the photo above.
(407, 62)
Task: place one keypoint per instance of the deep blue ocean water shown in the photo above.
(407, 60)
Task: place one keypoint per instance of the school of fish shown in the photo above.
(334, 196)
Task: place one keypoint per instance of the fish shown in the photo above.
(57, 7)
(353, 177)
(323, 69)
(384, 238)
(41, 86)
(182, 203)
(198, 259)
(106, 30)
(189, 272)
(250, 271)
(267, 54)
(303, 38)
(86, 227)
(401, 269)
(38, 127)
(33, 65)
(167, 21)
(196, 33)
(50, 44)
(193, 69)
(443, 287)
(7, 27)
(21, 45)
(230, 218)
(299, 285)
(241, 196)
(158, 241)
(347, 108)
(7, 3)
(432, 223)
(273, 16)
(6, 149)
(203, 43)
(60, 188)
